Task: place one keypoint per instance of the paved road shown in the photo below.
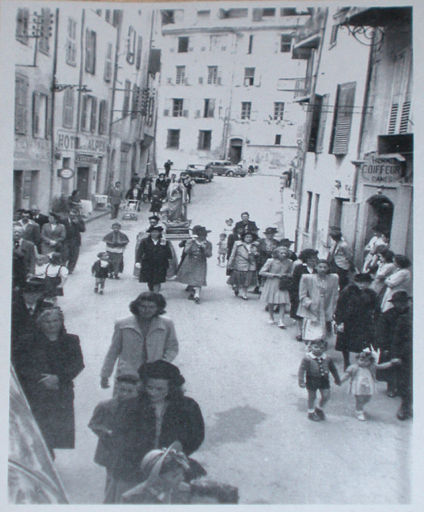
(243, 373)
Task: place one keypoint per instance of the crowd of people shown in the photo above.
(148, 431)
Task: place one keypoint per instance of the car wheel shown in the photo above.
(230, 174)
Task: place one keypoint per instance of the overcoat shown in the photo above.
(53, 409)
(154, 260)
(58, 235)
(193, 268)
(310, 299)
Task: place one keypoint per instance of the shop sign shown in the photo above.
(84, 159)
(66, 174)
(66, 141)
(92, 144)
(381, 169)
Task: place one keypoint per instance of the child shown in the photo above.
(362, 379)
(222, 249)
(228, 228)
(54, 273)
(316, 366)
(100, 271)
(103, 423)
(156, 201)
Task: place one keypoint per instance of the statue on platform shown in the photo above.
(176, 207)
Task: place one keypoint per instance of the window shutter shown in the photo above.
(211, 109)
(131, 45)
(197, 113)
(84, 112)
(185, 108)
(200, 80)
(35, 114)
(343, 118)
(21, 104)
(93, 114)
(88, 50)
(404, 118)
(322, 123)
(393, 118)
(139, 48)
(48, 118)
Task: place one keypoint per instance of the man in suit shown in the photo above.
(24, 256)
(74, 227)
(38, 217)
(115, 198)
(247, 225)
(30, 229)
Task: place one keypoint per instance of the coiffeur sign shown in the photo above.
(380, 169)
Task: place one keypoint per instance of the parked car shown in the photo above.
(226, 168)
(199, 172)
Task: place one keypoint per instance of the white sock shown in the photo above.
(310, 411)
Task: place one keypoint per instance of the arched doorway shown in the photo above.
(236, 146)
(380, 213)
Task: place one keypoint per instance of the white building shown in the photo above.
(228, 82)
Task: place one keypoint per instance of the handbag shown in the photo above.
(286, 282)
(229, 271)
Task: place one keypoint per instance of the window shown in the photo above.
(183, 44)
(285, 43)
(139, 48)
(203, 15)
(71, 43)
(333, 37)
(342, 121)
(88, 113)
(308, 212)
(205, 137)
(103, 115)
(212, 74)
(180, 76)
(318, 122)
(173, 139)
(278, 110)
(177, 107)
(46, 23)
(209, 108)
(21, 104)
(22, 21)
(232, 13)
(277, 141)
(258, 14)
(90, 51)
(136, 93)
(127, 94)
(249, 76)
(107, 76)
(250, 47)
(108, 16)
(68, 108)
(131, 45)
(246, 108)
(40, 110)
(167, 17)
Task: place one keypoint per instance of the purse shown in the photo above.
(286, 282)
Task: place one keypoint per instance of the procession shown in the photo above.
(204, 333)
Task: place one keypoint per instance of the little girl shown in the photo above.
(100, 270)
(222, 249)
(362, 379)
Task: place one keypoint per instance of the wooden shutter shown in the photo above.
(84, 112)
(35, 114)
(21, 104)
(404, 118)
(316, 112)
(322, 122)
(139, 48)
(343, 118)
(134, 103)
(93, 119)
(90, 51)
(131, 45)
(211, 108)
(68, 108)
(102, 117)
(393, 118)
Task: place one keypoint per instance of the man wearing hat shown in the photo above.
(354, 317)
(340, 257)
(116, 242)
(152, 258)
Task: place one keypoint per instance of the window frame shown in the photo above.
(183, 44)
(246, 110)
(180, 76)
(21, 104)
(285, 43)
(90, 51)
(212, 75)
(126, 99)
(171, 143)
(71, 42)
(132, 36)
(249, 77)
(37, 115)
(177, 107)
(279, 107)
(22, 25)
(204, 140)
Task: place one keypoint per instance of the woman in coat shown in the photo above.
(152, 258)
(48, 363)
(354, 317)
(193, 268)
(243, 264)
(399, 281)
(160, 416)
(318, 295)
(53, 235)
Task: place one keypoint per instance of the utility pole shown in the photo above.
(52, 114)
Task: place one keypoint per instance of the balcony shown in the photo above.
(301, 87)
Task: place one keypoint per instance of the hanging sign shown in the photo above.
(380, 169)
(66, 174)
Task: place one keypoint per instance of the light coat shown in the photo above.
(241, 258)
(310, 297)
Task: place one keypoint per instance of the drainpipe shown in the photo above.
(52, 111)
(308, 125)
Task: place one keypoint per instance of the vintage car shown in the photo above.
(199, 172)
(32, 476)
(226, 168)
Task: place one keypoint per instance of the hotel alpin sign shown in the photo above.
(381, 169)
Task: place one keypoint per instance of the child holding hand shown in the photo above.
(316, 367)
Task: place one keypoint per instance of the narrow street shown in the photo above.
(243, 374)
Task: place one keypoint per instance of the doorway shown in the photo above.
(236, 146)
(82, 181)
(380, 213)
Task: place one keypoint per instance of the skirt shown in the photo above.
(271, 293)
(243, 279)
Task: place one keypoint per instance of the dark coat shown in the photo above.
(154, 261)
(25, 255)
(136, 427)
(356, 309)
(249, 227)
(103, 420)
(402, 348)
(298, 272)
(53, 409)
(264, 253)
(73, 231)
(32, 233)
(134, 196)
(40, 219)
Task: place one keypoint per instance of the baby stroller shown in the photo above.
(130, 209)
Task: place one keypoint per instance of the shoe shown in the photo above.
(360, 415)
(313, 416)
(271, 321)
(117, 277)
(96, 290)
(320, 413)
(403, 415)
(244, 298)
(197, 300)
(101, 292)
(266, 309)
(191, 297)
(256, 291)
(236, 292)
(281, 324)
(299, 337)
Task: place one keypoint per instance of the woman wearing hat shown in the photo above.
(152, 257)
(354, 317)
(243, 264)
(160, 416)
(193, 268)
(116, 242)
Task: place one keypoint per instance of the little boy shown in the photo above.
(222, 249)
(316, 366)
(100, 270)
(103, 425)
